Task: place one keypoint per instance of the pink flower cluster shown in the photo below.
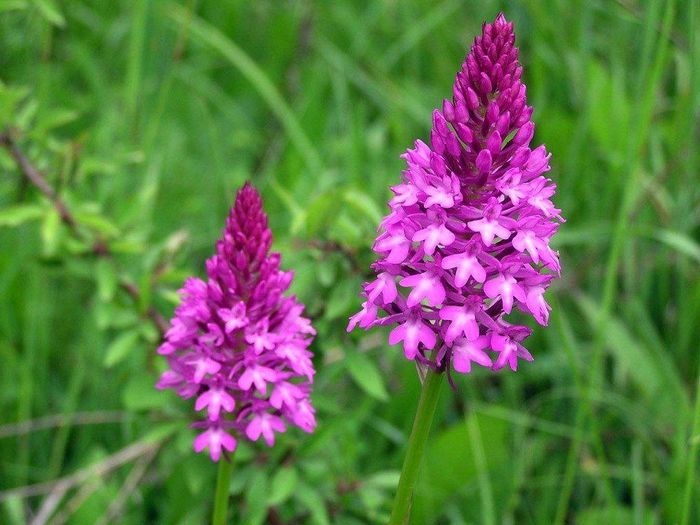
(467, 237)
(237, 344)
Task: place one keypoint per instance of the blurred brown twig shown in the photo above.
(99, 247)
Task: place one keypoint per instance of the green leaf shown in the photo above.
(256, 499)
(110, 315)
(366, 374)
(107, 279)
(327, 272)
(49, 10)
(450, 465)
(14, 510)
(97, 222)
(282, 486)
(210, 35)
(9, 5)
(10, 98)
(343, 297)
(364, 204)
(140, 394)
(387, 479)
(632, 357)
(347, 230)
(313, 501)
(607, 515)
(160, 431)
(51, 232)
(320, 211)
(680, 242)
(121, 347)
(20, 213)
(54, 119)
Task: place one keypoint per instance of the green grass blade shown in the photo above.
(212, 37)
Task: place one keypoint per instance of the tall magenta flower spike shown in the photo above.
(467, 238)
(237, 344)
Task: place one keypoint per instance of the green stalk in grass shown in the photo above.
(692, 458)
(221, 497)
(467, 276)
(691, 463)
(209, 35)
(430, 393)
(650, 76)
(260, 383)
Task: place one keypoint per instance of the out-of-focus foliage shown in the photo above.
(147, 116)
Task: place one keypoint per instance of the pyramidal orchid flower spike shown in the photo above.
(237, 345)
(466, 241)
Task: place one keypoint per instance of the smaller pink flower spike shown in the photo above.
(238, 343)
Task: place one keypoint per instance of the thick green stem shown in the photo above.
(416, 446)
(223, 482)
(692, 456)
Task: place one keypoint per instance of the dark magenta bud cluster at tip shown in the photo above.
(237, 344)
(467, 238)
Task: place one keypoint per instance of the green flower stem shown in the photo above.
(223, 482)
(416, 446)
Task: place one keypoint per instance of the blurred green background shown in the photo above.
(147, 116)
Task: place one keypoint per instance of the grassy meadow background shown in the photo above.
(147, 116)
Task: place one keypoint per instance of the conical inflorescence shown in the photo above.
(467, 238)
(237, 344)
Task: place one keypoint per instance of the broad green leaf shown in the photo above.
(366, 374)
(450, 465)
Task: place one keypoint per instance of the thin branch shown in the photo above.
(38, 179)
(73, 504)
(99, 469)
(99, 247)
(130, 484)
(48, 506)
(59, 420)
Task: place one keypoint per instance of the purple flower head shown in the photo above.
(239, 345)
(467, 239)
